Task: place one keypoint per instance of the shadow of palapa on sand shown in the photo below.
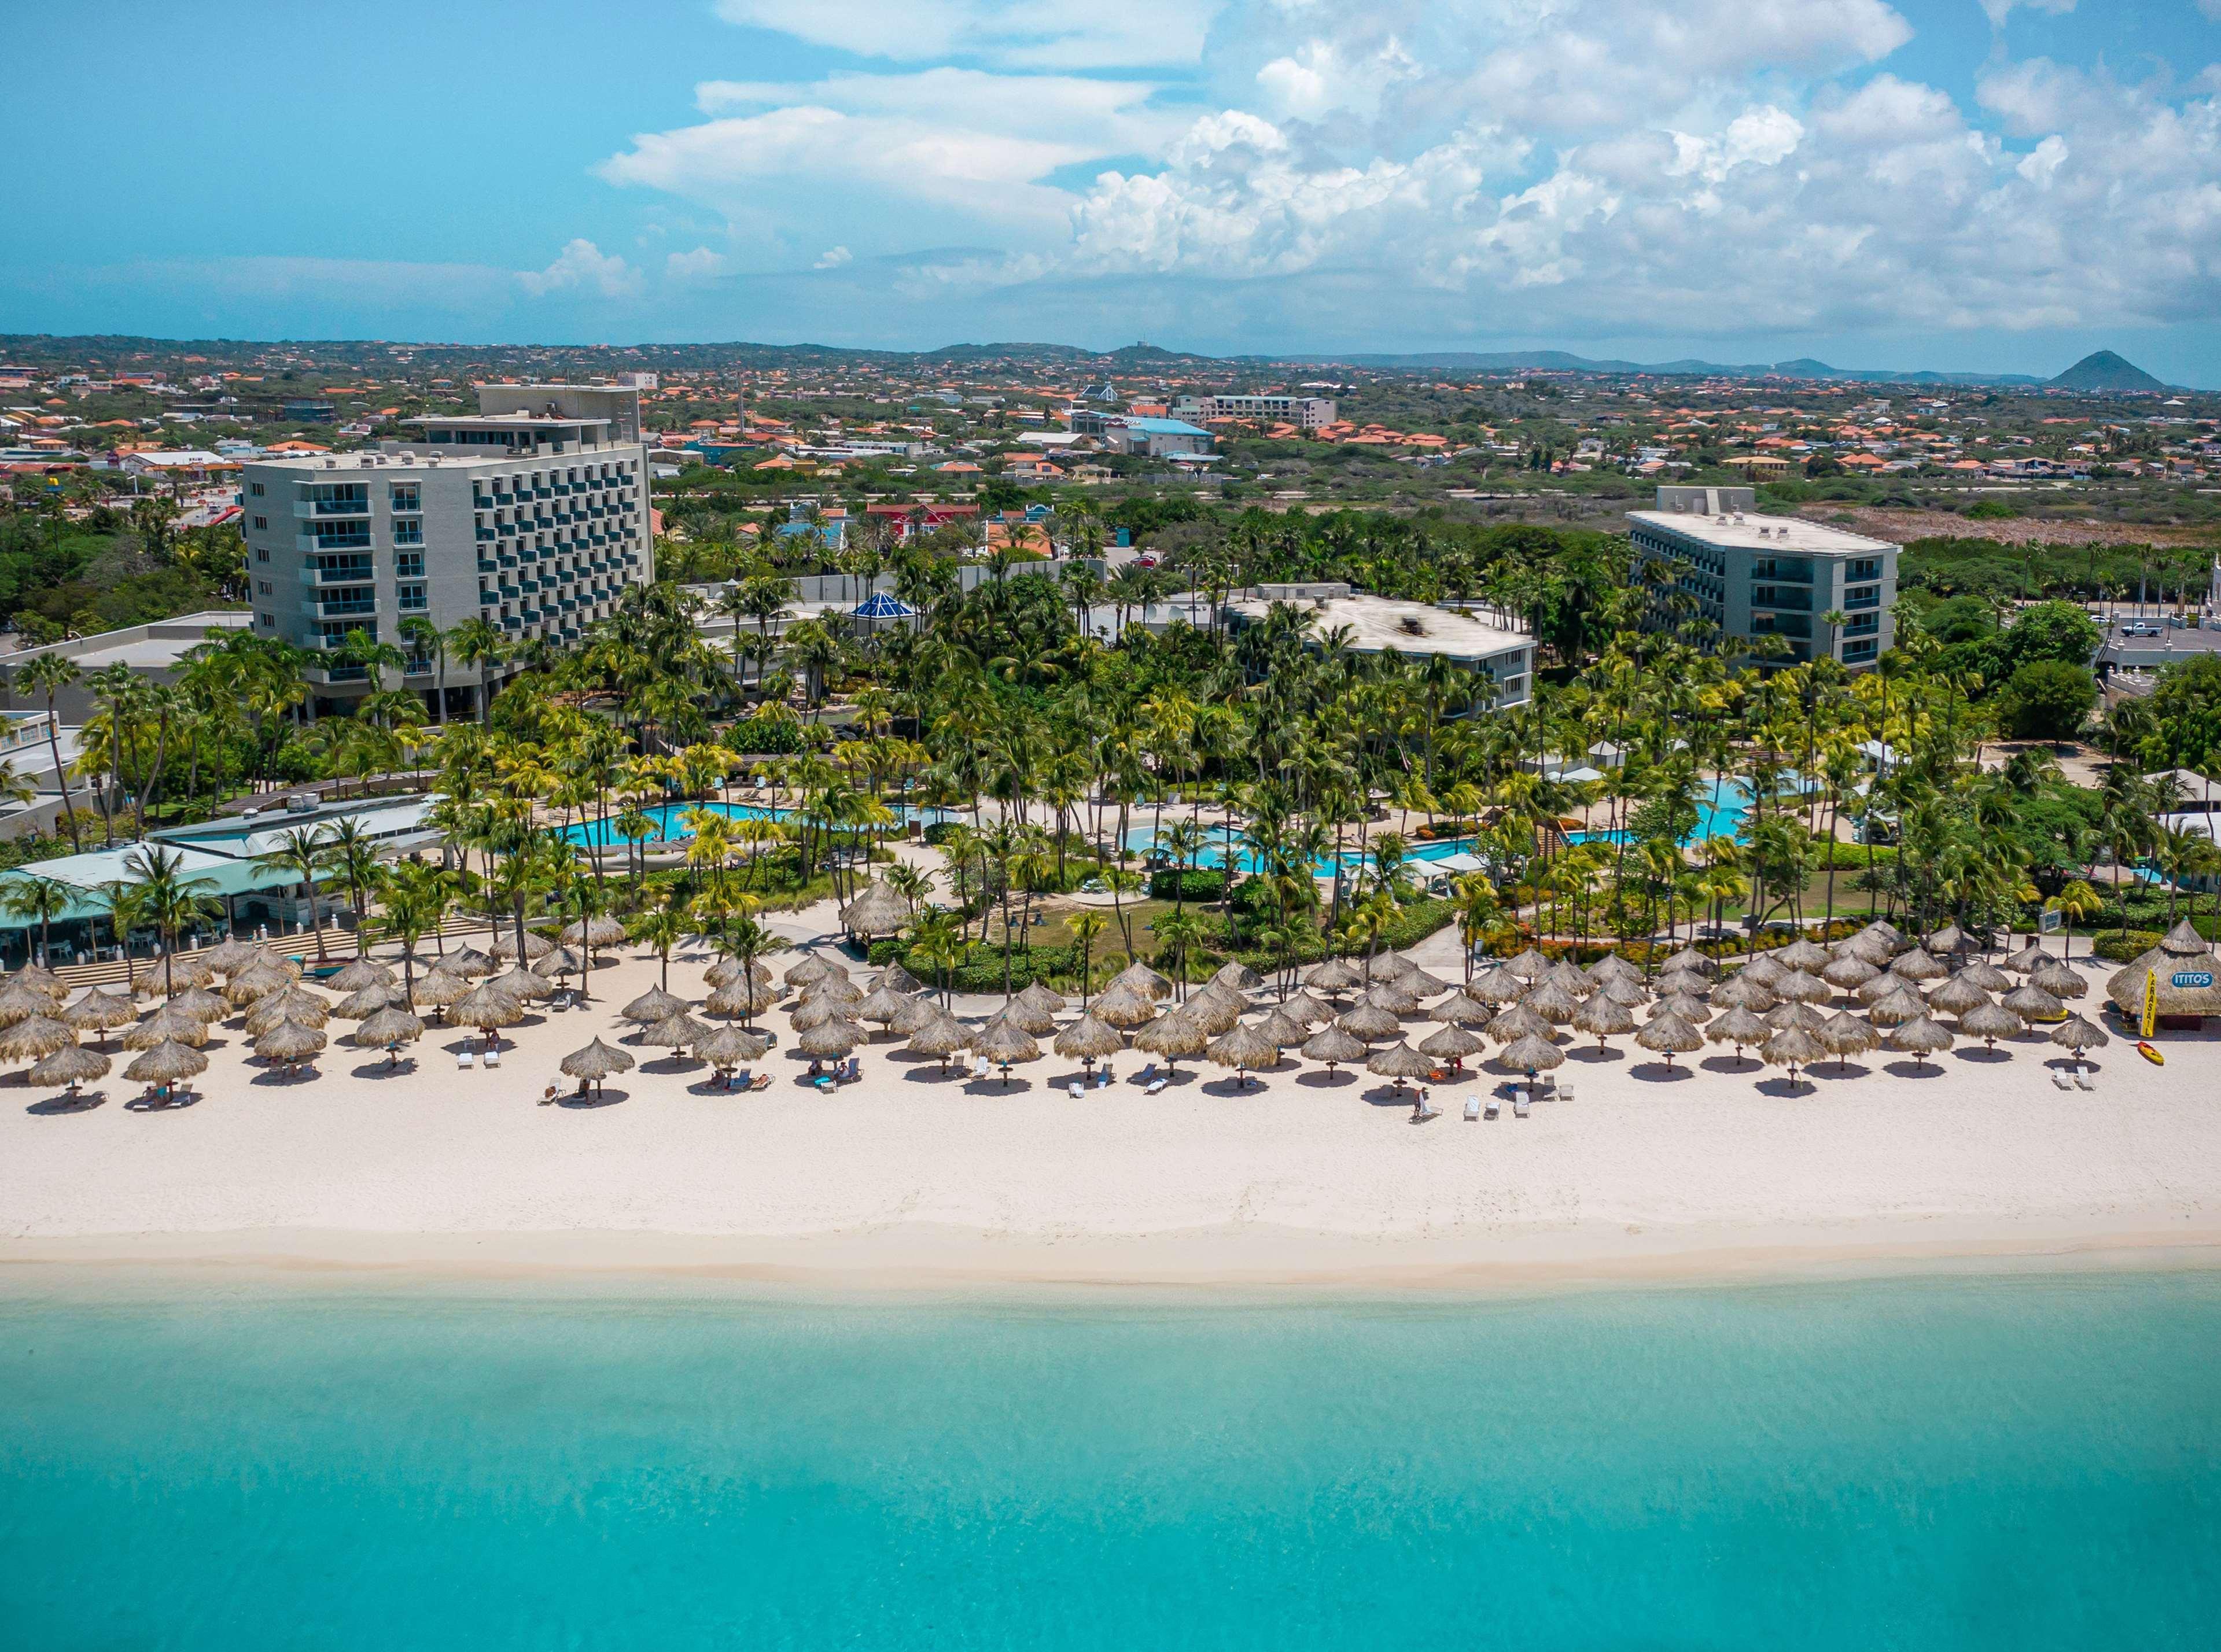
(300, 1072)
(1727, 1064)
(1659, 1072)
(1787, 1088)
(1590, 1055)
(1916, 1070)
(148, 1104)
(1838, 1072)
(83, 1102)
(1981, 1057)
(381, 1068)
(1313, 1078)
(578, 1103)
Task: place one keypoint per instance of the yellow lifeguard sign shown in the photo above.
(2151, 1002)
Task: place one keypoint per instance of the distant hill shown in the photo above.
(2105, 371)
(1691, 367)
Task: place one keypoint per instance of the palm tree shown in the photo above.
(477, 641)
(1084, 927)
(46, 674)
(305, 852)
(662, 928)
(430, 643)
(350, 852)
(172, 901)
(127, 911)
(37, 900)
(416, 897)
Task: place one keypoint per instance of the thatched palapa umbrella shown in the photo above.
(389, 1029)
(98, 1012)
(1037, 1022)
(1391, 995)
(290, 1004)
(830, 1041)
(1919, 966)
(1990, 1023)
(1530, 1056)
(2032, 1003)
(1089, 1040)
(1333, 977)
(679, 1032)
(33, 1037)
(941, 1036)
(595, 933)
(1686, 982)
(289, 1044)
(1497, 987)
(1518, 1022)
(727, 1048)
(1528, 965)
(524, 985)
(1601, 1015)
(363, 1004)
(1806, 956)
(1783, 1016)
(167, 1025)
(258, 980)
(1175, 1036)
(68, 1067)
(1451, 1043)
(1693, 1010)
(1214, 1010)
(2078, 1033)
(1629, 991)
(877, 911)
(20, 1001)
(2026, 958)
(653, 1006)
(895, 978)
(744, 998)
(1303, 1007)
(594, 1064)
(1332, 1045)
(1237, 977)
(914, 1014)
(41, 978)
(166, 1063)
(1690, 958)
(1849, 972)
(199, 1003)
(1004, 1043)
(1124, 1006)
(362, 973)
(832, 989)
(1140, 978)
(2058, 980)
(1987, 976)
(470, 963)
(1895, 1008)
(1920, 1038)
(881, 1004)
(487, 1008)
(1793, 1048)
(1743, 992)
(816, 1012)
(1797, 987)
(229, 955)
(1764, 969)
(1398, 1063)
(1846, 1035)
(435, 989)
(1369, 1022)
(812, 967)
(557, 962)
(1669, 1036)
(1956, 995)
(1245, 1048)
(535, 946)
(1741, 1028)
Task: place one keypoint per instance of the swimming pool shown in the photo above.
(1142, 840)
(671, 824)
(1721, 814)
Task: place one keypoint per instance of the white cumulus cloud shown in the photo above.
(585, 265)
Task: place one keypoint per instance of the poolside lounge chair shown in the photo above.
(1519, 1103)
(465, 1060)
(2059, 1080)
(1472, 1110)
(493, 1058)
(1153, 1086)
(2081, 1076)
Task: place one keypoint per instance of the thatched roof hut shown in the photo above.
(166, 1063)
(389, 1027)
(596, 1063)
(360, 1005)
(941, 1036)
(1895, 1007)
(71, 1066)
(1497, 987)
(229, 955)
(1793, 1048)
(1037, 1022)
(1846, 1035)
(2058, 980)
(1690, 958)
(878, 911)
(813, 967)
(1237, 977)
(1743, 992)
(1690, 1008)
(1808, 956)
(2184, 976)
(2032, 1003)
(1956, 995)
(680, 1031)
(1782, 1016)
(1089, 1040)
(470, 963)
(98, 1012)
(881, 1004)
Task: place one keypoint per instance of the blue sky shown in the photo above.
(2001, 184)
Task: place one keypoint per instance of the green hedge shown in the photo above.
(1198, 887)
(2120, 949)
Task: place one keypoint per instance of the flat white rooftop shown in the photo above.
(1380, 623)
(1756, 533)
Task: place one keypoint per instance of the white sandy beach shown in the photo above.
(908, 1175)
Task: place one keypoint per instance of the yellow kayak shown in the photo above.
(2151, 1054)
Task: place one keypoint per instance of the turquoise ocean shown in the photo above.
(2020, 1462)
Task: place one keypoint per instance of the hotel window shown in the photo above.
(412, 598)
(261, 524)
(409, 565)
(262, 553)
(407, 497)
(409, 530)
(255, 488)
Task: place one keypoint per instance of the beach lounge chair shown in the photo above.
(761, 1081)
(1146, 1073)
(2081, 1076)
(493, 1058)
(980, 1068)
(1153, 1086)
(2059, 1080)
(1565, 1091)
(1103, 1079)
(465, 1060)
(1472, 1110)
(560, 1001)
(1520, 1105)
(1076, 1089)
(1494, 1108)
